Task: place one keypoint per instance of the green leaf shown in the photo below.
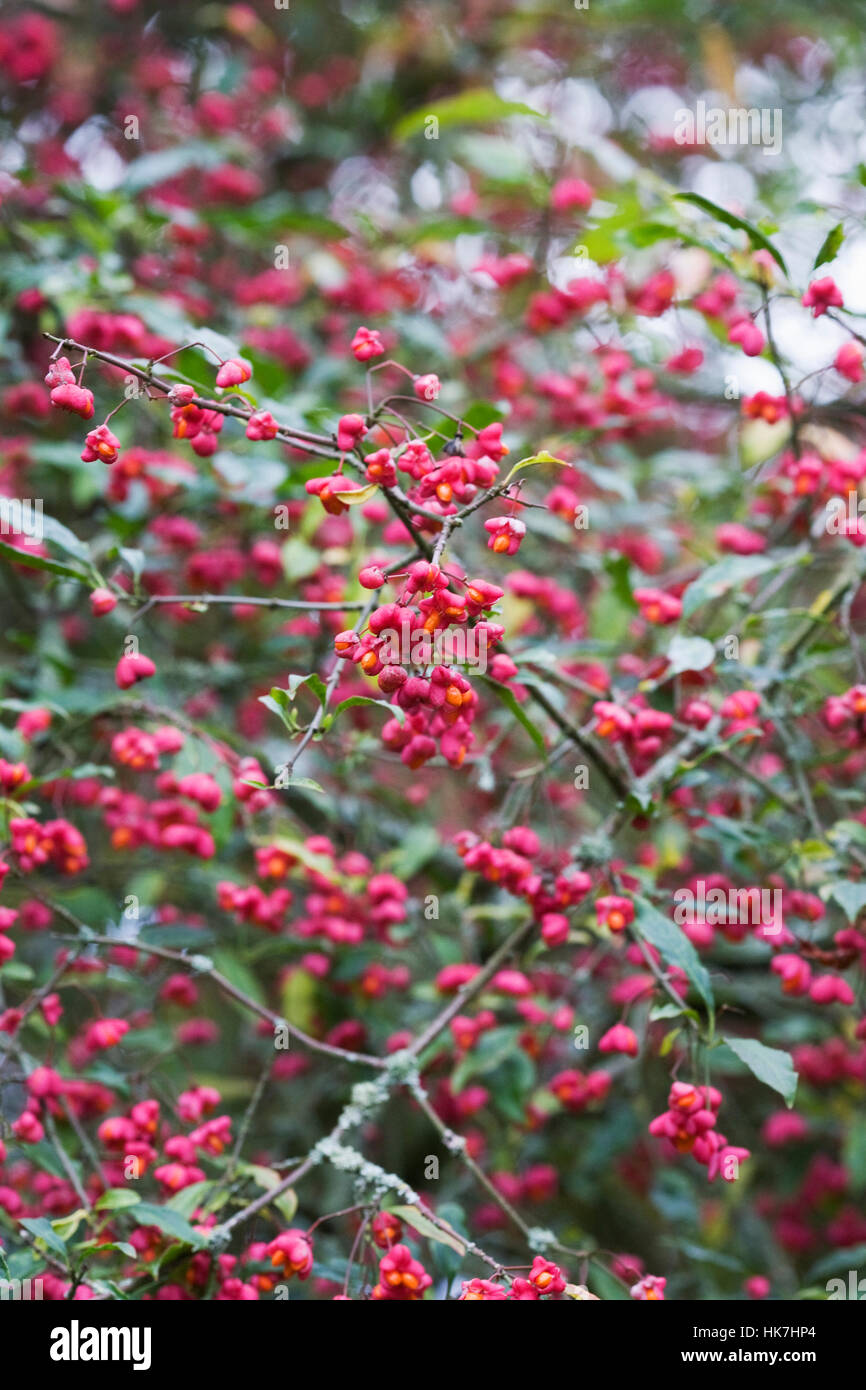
(491, 1049)
(73, 774)
(17, 972)
(66, 1227)
(65, 540)
(303, 784)
(133, 559)
(838, 1262)
(170, 1222)
(846, 831)
(768, 1064)
(830, 246)
(117, 1199)
(416, 848)
(44, 1231)
(190, 1198)
(237, 973)
(605, 1284)
(705, 1256)
(414, 1217)
(532, 461)
(720, 578)
(674, 947)
(267, 1178)
(760, 441)
(851, 897)
(393, 710)
(509, 700)
(318, 863)
(282, 702)
(670, 1011)
(479, 106)
(299, 559)
(689, 654)
(155, 168)
(123, 1246)
(315, 683)
(730, 219)
(40, 562)
(854, 1153)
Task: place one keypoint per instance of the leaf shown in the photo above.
(498, 158)
(237, 973)
(416, 848)
(315, 683)
(303, 784)
(354, 497)
(15, 971)
(39, 562)
(705, 1256)
(177, 935)
(269, 1178)
(689, 654)
(133, 559)
(730, 219)
(299, 559)
(723, 576)
(674, 946)
(478, 106)
(394, 710)
(117, 1199)
(532, 461)
(768, 1064)
(415, 1218)
(74, 774)
(838, 1261)
(317, 863)
(844, 831)
(65, 540)
(189, 1198)
(670, 1011)
(830, 246)
(509, 700)
(123, 1246)
(492, 1048)
(170, 1222)
(43, 1230)
(851, 897)
(605, 1284)
(760, 441)
(281, 702)
(854, 1153)
(155, 168)
(109, 1285)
